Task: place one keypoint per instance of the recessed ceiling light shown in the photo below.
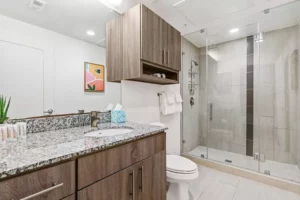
(91, 33)
(234, 30)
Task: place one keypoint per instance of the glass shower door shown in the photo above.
(230, 96)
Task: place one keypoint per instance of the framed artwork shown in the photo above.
(94, 77)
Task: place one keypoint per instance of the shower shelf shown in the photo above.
(192, 85)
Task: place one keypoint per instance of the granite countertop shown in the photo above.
(42, 149)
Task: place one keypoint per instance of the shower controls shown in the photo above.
(210, 111)
(192, 101)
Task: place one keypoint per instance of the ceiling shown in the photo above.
(69, 17)
(277, 18)
(75, 17)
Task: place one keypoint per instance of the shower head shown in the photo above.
(194, 62)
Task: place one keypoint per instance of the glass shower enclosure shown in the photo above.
(245, 93)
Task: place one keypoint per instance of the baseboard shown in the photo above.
(269, 180)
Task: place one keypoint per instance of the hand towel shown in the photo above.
(166, 108)
(178, 97)
(170, 98)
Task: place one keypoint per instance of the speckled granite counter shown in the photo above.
(42, 149)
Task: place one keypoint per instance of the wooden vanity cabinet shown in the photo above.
(132, 171)
(139, 44)
(141, 177)
(145, 180)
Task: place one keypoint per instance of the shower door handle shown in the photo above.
(210, 111)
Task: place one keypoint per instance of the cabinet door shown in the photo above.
(174, 49)
(114, 50)
(120, 186)
(152, 49)
(152, 178)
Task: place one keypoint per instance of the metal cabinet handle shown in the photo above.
(163, 56)
(43, 191)
(168, 57)
(142, 179)
(210, 111)
(133, 186)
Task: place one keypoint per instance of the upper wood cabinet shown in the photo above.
(140, 44)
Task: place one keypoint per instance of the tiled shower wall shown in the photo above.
(276, 95)
(191, 119)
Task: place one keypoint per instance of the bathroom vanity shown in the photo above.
(73, 166)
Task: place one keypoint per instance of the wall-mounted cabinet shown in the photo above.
(140, 44)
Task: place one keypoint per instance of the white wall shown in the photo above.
(63, 65)
(141, 103)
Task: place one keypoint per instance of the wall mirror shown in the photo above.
(44, 45)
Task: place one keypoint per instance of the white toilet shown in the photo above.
(180, 171)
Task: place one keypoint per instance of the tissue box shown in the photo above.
(118, 116)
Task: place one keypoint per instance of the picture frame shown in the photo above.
(94, 77)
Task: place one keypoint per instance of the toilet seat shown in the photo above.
(180, 165)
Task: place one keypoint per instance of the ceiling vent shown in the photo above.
(38, 5)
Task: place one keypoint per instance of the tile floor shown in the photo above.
(278, 169)
(217, 185)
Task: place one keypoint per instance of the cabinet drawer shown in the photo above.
(51, 183)
(100, 165)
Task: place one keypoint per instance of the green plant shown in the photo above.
(3, 109)
(92, 88)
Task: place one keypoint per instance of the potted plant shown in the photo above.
(4, 105)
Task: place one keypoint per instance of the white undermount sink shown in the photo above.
(108, 132)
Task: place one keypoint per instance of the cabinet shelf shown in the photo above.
(153, 79)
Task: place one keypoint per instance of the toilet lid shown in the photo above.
(179, 164)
